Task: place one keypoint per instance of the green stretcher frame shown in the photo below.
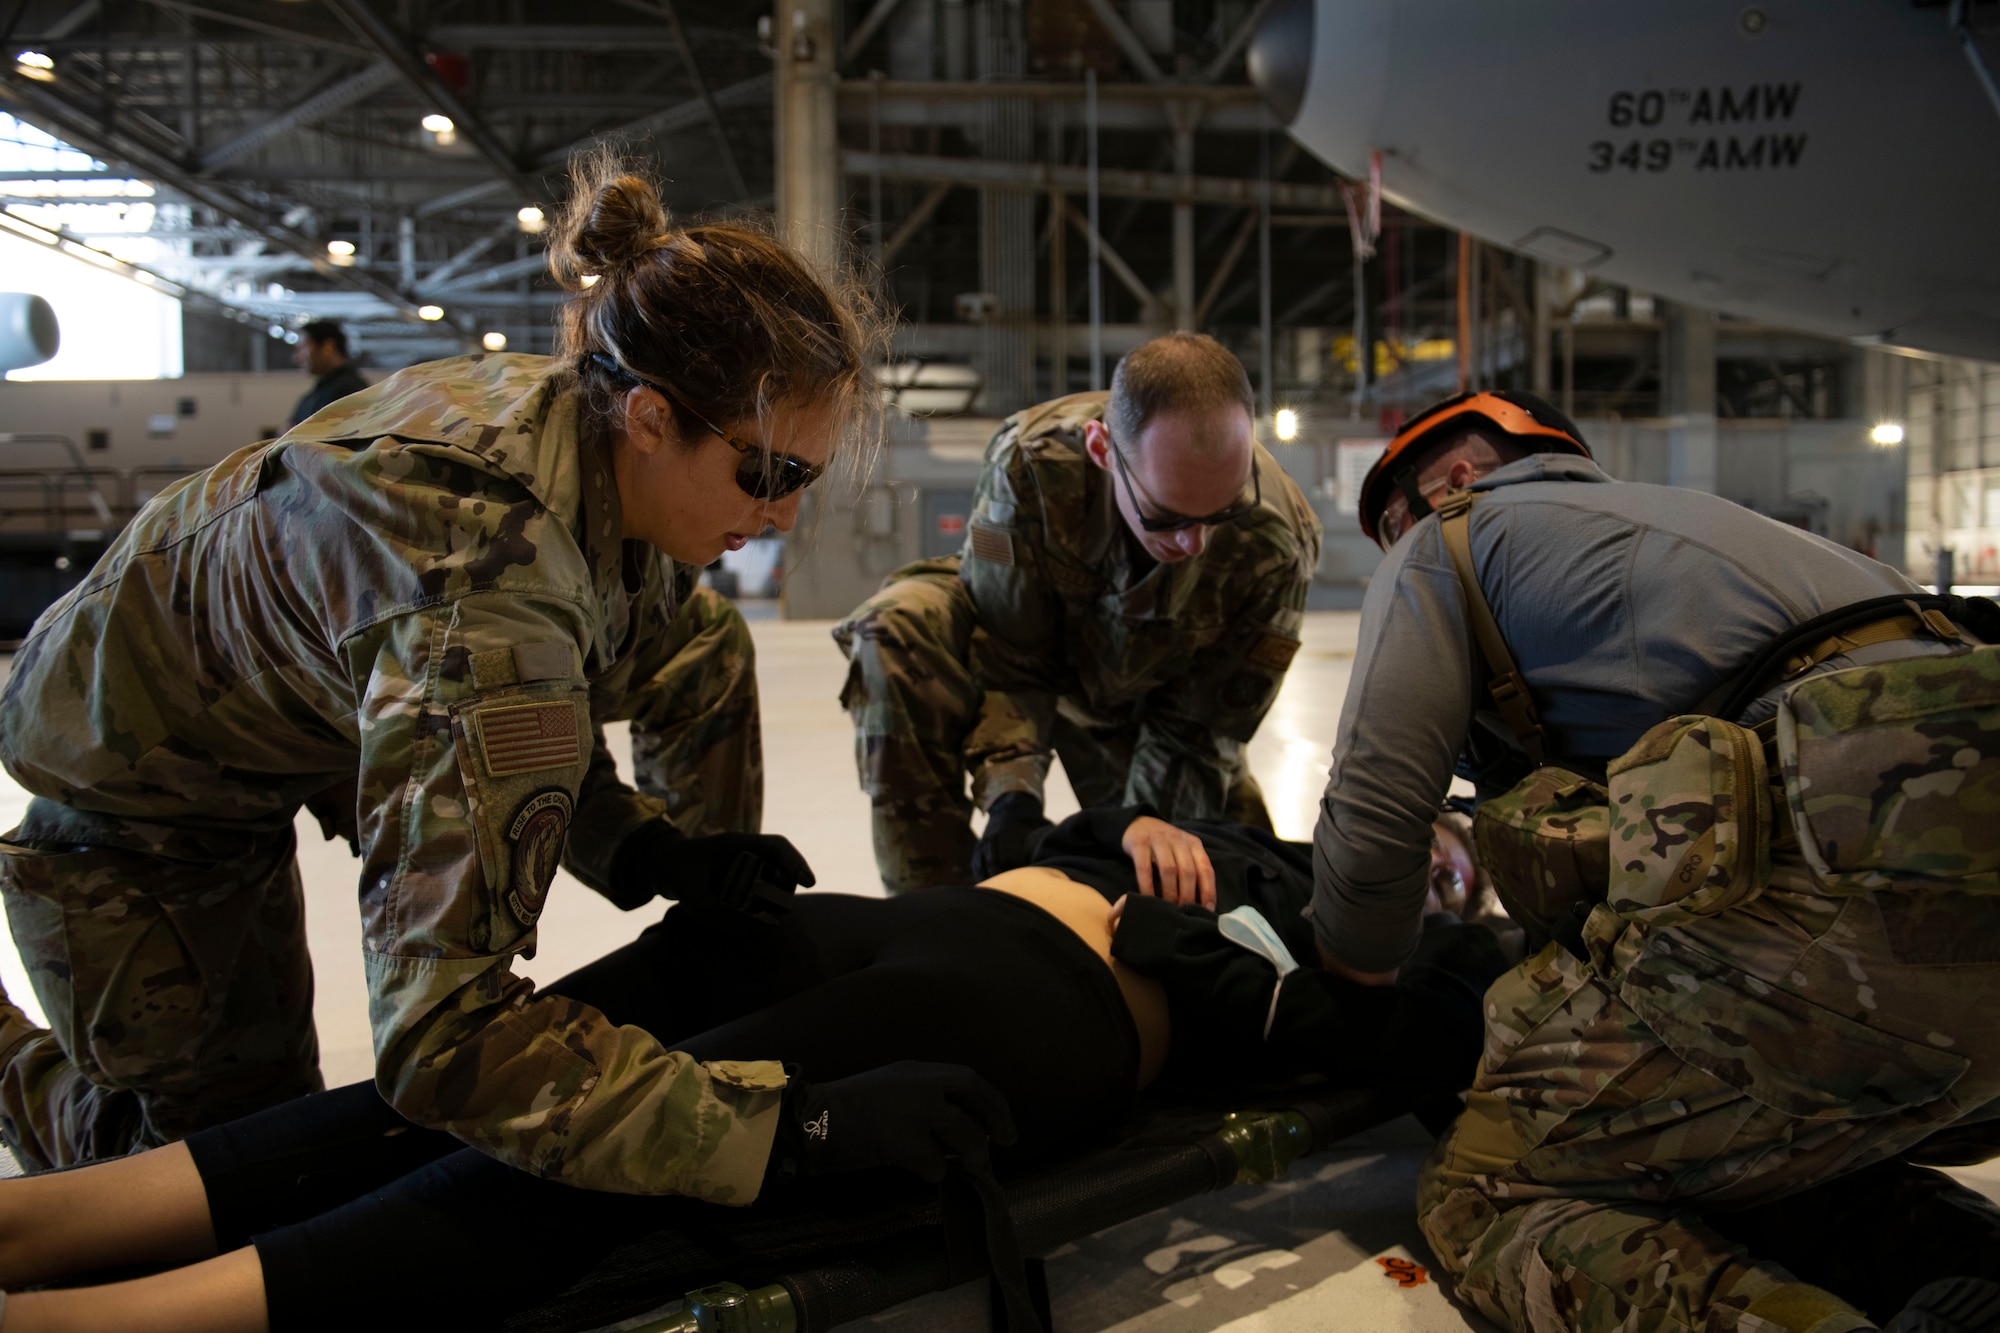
(1048, 1208)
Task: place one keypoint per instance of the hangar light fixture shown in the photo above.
(430, 312)
(340, 247)
(495, 341)
(1887, 433)
(532, 219)
(443, 133)
(1285, 423)
(588, 279)
(35, 65)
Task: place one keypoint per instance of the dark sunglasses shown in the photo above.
(1166, 520)
(764, 474)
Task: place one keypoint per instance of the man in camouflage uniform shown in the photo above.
(1767, 994)
(415, 611)
(1144, 656)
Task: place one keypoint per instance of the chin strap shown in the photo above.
(1406, 482)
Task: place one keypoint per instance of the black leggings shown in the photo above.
(360, 1218)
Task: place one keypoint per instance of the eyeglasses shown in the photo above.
(1395, 522)
(764, 474)
(1166, 520)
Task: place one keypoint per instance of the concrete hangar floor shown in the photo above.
(1276, 1259)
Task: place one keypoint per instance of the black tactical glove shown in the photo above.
(911, 1114)
(752, 873)
(1014, 829)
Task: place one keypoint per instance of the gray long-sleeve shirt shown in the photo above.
(1623, 604)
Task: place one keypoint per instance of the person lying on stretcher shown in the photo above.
(1028, 1012)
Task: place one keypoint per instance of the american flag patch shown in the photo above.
(527, 737)
(992, 544)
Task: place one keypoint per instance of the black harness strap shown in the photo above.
(976, 1216)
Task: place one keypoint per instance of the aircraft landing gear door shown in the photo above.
(945, 515)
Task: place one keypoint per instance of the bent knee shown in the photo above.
(927, 617)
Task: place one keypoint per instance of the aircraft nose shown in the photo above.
(1281, 55)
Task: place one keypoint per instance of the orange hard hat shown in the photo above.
(1535, 424)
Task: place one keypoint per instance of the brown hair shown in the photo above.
(720, 312)
(1181, 372)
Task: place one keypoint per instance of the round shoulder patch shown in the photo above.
(537, 832)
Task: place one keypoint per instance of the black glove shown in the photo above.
(1014, 829)
(910, 1114)
(752, 873)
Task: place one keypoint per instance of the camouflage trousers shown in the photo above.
(1633, 1106)
(178, 993)
(913, 701)
(176, 981)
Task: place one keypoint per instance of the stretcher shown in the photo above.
(812, 1262)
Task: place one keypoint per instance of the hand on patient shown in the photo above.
(752, 873)
(1169, 863)
(911, 1114)
(1014, 829)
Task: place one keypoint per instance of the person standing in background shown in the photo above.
(322, 352)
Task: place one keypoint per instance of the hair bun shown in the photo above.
(611, 221)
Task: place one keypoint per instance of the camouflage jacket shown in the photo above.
(424, 585)
(1069, 606)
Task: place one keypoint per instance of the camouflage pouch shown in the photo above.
(1894, 770)
(1544, 845)
(1690, 821)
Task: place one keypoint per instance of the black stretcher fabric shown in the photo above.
(362, 1219)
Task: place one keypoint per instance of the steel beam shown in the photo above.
(738, 186)
(680, 116)
(444, 203)
(1240, 191)
(285, 34)
(1128, 41)
(1112, 260)
(452, 267)
(1237, 41)
(1223, 271)
(73, 20)
(394, 47)
(878, 14)
(912, 224)
(807, 166)
(1149, 94)
(82, 130)
(526, 266)
(325, 102)
(550, 37)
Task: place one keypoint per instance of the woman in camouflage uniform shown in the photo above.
(429, 596)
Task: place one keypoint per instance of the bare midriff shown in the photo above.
(1085, 912)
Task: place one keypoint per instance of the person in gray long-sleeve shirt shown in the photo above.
(1654, 1086)
(1623, 605)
